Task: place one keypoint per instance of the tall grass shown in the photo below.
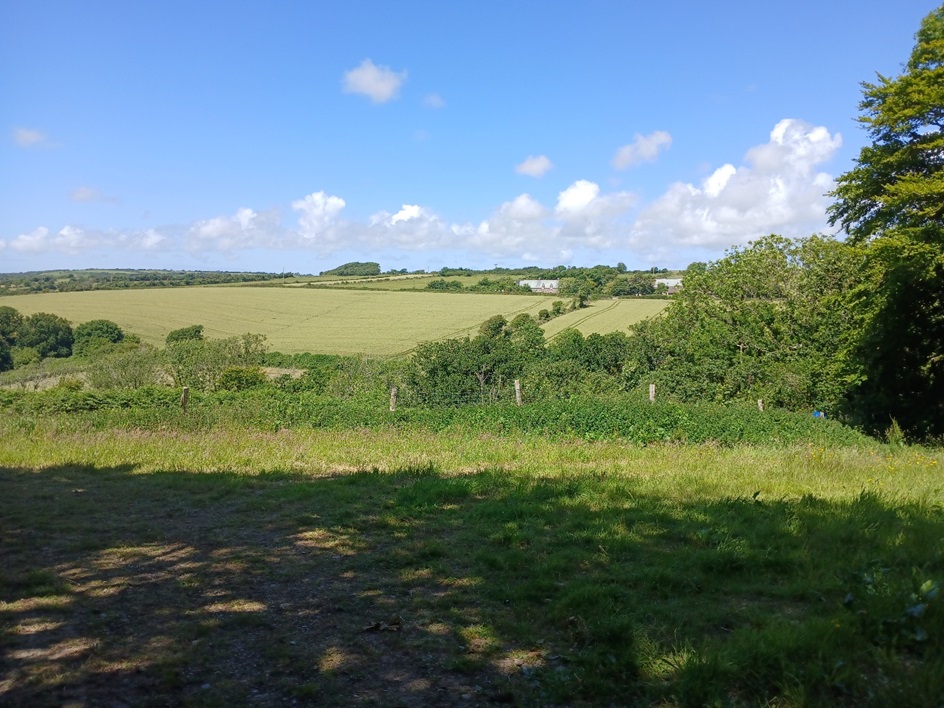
(405, 565)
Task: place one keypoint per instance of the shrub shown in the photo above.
(185, 334)
(50, 335)
(95, 334)
(240, 378)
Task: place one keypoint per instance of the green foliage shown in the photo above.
(24, 356)
(84, 280)
(95, 334)
(632, 284)
(50, 335)
(200, 363)
(893, 199)
(443, 285)
(6, 356)
(241, 378)
(772, 321)
(184, 334)
(10, 321)
(129, 368)
(354, 268)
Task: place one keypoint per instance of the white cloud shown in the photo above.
(69, 239)
(245, 229)
(778, 190)
(534, 166)
(319, 217)
(27, 137)
(379, 83)
(644, 148)
(90, 194)
(434, 100)
(591, 219)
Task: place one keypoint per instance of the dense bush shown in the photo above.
(199, 363)
(184, 334)
(96, 334)
(50, 335)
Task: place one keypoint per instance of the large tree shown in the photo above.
(50, 335)
(893, 200)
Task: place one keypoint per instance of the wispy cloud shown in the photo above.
(379, 83)
(534, 166)
(90, 194)
(29, 137)
(434, 100)
(644, 148)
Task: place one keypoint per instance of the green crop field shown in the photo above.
(382, 323)
(604, 316)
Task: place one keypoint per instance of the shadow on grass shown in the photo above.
(418, 588)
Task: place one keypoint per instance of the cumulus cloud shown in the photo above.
(521, 227)
(590, 218)
(534, 166)
(778, 190)
(28, 137)
(434, 100)
(319, 221)
(644, 148)
(90, 194)
(73, 240)
(379, 83)
(245, 229)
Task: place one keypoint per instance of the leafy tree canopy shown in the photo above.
(893, 199)
(95, 333)
(354, 268)
(10, 321)
(50, 335)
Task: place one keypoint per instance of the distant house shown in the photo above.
(672, 285)
(541, 286)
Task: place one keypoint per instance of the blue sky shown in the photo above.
(294, 136)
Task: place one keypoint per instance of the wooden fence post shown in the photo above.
(652, 393)
(184, 398)
(518, 391)
(760, 405)
(393, 399)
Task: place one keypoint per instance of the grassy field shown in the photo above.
(411, 568)
(603, 316)
(293, 320)
(380, 323)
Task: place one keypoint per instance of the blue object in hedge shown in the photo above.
(819, 414)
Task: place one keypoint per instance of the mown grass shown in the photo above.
(415, 567)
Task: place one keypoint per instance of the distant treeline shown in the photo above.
(76, 280)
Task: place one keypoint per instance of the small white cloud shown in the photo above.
(644, 148)
(534, 166)
(379, 83)
(779, 190)
(406, 213)
(90, 194)
(434, 100)
(27, 137)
